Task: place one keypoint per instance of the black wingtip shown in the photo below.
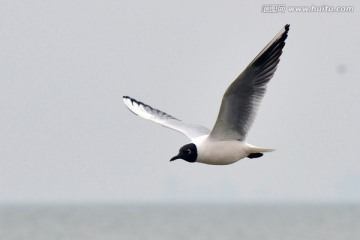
(131, 99)
(274, 48)
(285, 33)
(287, 27)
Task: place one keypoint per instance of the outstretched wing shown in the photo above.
(145, 111)
(242, 98)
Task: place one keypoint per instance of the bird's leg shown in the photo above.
(255, 155)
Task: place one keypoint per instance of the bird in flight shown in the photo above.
(226, 142)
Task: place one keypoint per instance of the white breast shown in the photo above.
(220, 152)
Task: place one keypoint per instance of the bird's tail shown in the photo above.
(253, 149)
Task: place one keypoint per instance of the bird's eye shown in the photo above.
(188, 151)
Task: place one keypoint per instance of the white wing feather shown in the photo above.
(147, 112)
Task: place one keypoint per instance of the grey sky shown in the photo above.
(66, 135)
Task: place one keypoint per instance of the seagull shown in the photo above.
(226, 142)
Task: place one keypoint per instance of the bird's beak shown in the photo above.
(174, 158)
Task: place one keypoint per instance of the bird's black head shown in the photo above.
(188, 152)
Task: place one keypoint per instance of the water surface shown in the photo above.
(179, 221)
